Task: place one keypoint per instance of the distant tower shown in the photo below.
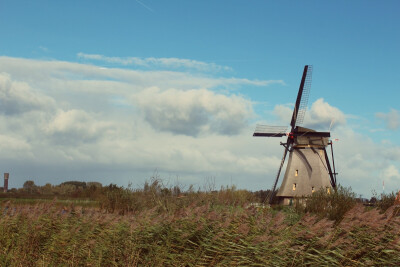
(6, 175)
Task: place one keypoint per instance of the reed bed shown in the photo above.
(198, 233)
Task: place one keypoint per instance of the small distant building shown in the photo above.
(6, 176)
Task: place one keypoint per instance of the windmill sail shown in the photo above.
(271, 131)
(305, 96)
(302, 97)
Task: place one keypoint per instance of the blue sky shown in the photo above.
(247, 54)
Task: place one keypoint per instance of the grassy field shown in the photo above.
(152, 228)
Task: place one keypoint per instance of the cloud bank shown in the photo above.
(65, 120)
(68, 121)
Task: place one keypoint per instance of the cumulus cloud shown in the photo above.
(151, 62)
(193, 112)
(392, 119)
(19, 97)
(75, 126)
(320, 117)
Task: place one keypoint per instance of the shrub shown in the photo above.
(386, 201)
(118, 199)
(332, 205)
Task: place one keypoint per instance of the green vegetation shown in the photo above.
(331, 205)
(168, 226)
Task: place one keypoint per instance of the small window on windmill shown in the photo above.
(294, 187)
(296, 173)
(321, 152)
(312, 189)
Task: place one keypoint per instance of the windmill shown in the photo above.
(308, 168)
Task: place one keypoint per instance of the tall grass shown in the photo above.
(197, 235)
(156, 195)
(162, 225)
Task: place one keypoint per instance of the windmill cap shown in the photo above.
(299, 129)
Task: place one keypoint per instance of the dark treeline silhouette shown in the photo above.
(69, 189)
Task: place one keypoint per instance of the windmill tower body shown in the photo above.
(307, 169)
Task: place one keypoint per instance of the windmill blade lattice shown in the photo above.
(305, 96)
(271, 131)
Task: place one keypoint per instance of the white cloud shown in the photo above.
(392, 119)
(193, 112)
(19, 97)
(76, 121)
(360, 161)
(322, 115)
(319, 117)
(152, 62)
(284, 113)
(391, 173)
(56, 76)
(391, 151)
(12, 144)
(76, 126)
